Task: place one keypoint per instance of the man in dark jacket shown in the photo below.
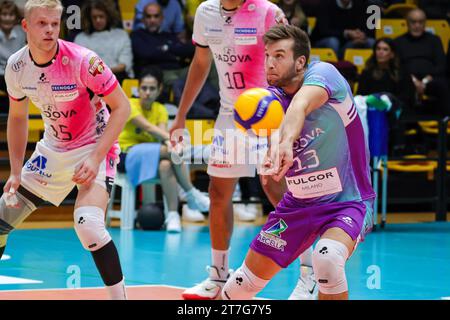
(151, 46)
(342, 24)
(423, 57)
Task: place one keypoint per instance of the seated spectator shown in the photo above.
(100, 34)
(384, 74)
(422, 55)
(341, 24)
(294, 13)
(12, 38)
(173, 17)
(148, 124)
(154, 47)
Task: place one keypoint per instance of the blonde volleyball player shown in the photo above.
(70, 85)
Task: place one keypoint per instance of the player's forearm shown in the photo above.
(114, 127)
(198, 72)
(17, 137)
(293, 121)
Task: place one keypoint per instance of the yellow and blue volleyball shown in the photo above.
(258, 110)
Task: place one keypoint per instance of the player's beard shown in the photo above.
(285, 79)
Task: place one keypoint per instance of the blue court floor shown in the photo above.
(403, 261)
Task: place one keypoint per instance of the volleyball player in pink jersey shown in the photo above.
(230, 32)
(70, 85)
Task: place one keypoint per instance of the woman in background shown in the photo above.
(101, 34)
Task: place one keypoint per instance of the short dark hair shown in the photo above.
(302, 45)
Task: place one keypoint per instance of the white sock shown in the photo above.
(117, 291)
(306, 260)
(220, 261)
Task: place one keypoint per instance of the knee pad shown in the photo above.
(329, 259)
(90, 227)
(10, 218)
(242, 285)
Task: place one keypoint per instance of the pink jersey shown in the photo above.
(236, 42)
(68, 92)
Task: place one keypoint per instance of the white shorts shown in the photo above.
(48, 174)
(233, 153)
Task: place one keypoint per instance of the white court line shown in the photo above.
(445, 298)
(14, 280)
(88, 288)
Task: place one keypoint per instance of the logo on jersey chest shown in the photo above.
(308, 137)
(43, 78)
(315, 184)
(245, 36)
(54, 115)
(230, 57)
(65, 92)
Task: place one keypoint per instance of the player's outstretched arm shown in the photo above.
(198, 72)
(305, 101)
(17, 137)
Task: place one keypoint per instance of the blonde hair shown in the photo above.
(49, 4)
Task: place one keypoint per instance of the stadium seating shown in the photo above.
(441, 29)
(323, 54)
(358, 57)
(391, 28)
(399, 9)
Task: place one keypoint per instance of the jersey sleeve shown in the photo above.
(274, 16)
(97, 76)
(12, 85)
(325, 75)
(198, 34)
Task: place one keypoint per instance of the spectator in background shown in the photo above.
(147, 123)
(341, 24)
(173, 17)
(384, 74)
(12, 38)
(294, 13)
(154, 47)
(100, 34)
(422, 55)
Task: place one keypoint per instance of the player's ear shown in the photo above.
(24, 25)
(300, 63)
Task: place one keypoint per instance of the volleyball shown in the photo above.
(258, 110)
